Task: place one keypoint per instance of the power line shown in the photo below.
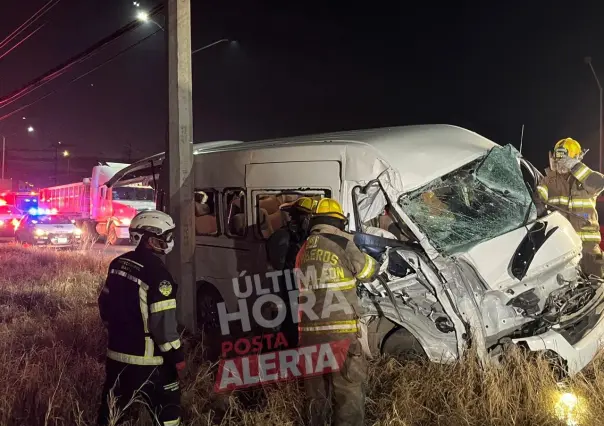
(21, 41)
(41, 12)
(102, 64)
(64, 67)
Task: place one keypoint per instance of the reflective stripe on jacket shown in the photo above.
(577, 193)
(329, 265)
(138, 306)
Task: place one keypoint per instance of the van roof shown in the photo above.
(419, 153)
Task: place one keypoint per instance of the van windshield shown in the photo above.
(478, 202)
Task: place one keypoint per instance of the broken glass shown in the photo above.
(480, 201)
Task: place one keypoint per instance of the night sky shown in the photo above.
(305, 67)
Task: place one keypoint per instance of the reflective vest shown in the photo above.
(138, 306)
(327, 269)
(575, 192)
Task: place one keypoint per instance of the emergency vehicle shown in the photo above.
(467, 258)
(97, 211)
(42, 229)
(9, 219)
(24, 200)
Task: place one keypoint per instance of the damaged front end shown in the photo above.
(484, 268)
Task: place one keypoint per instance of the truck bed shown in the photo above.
(71, 200)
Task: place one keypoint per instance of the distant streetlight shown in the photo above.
(223, 40)
(588, 62)
(65, 153)
(136, 4)
(30, 129)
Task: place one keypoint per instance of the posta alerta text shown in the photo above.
(289, 364)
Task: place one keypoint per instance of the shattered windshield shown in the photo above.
(480, 201)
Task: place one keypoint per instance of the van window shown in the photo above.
(206, 219)
(269, 217)
(236, 219)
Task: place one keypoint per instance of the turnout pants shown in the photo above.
(592, 262)
(157, 386)
(340, 395)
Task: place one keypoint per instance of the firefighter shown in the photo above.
(338, 264)
(138, 306)
(573, 187)
(282, 247)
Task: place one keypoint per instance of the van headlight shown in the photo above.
(77, 232)
(125, 221)
(40, 232)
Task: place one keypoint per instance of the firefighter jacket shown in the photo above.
(575, 192)
(329, 266)
(138, 306)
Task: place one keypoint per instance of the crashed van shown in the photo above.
(468, 259)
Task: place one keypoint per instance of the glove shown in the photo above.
(566, 164)
(181, 366)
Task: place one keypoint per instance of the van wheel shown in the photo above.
(208, 321)
(208, 299)
(403, 345)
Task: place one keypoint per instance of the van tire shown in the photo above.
(208, 321)
(208, 298)
(403, 346)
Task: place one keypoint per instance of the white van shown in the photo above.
(467, 257)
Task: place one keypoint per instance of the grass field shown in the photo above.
(52, 345)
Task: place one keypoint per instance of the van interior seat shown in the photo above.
(205, 223)
(271, 205)
(237, 224)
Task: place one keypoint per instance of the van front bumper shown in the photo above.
(577, 355)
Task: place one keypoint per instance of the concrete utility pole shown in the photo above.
(179, 153)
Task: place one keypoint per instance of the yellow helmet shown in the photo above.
(567, 146)
(303, 205)
(329, 207)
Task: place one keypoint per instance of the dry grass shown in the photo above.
(52, 344)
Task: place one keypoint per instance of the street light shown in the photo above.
(214, 44)
(65, 153)
(30, 129)
(144, 17)
(588, 62)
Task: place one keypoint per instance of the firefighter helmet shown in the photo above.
(303, 205)
(567, 147)
(155, 225)
(330, 208)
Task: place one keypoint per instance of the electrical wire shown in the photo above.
(41, 12)
(102, 64)
(21, 42)
(79, 58)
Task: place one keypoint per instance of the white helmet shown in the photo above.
(156, 225)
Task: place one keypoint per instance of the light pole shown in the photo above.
(67, 155)
(30, 129)
(588, 62)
